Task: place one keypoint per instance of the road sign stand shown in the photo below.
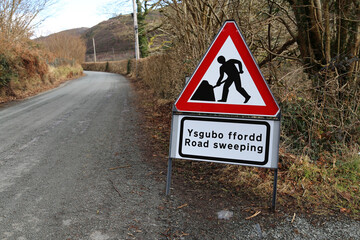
(242, 127)
(273, 202)
(215, 116)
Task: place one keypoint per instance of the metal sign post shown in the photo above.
(273, 205)
(168, 176)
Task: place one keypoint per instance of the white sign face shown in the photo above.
(229, 51)
(244, 142)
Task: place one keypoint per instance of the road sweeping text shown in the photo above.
(234, 141)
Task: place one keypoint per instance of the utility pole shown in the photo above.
(137, 51)
(94, 50)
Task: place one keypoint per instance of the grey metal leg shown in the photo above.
(168, 178)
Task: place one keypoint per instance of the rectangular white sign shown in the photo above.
(238, 141)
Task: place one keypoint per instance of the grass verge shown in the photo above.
(34, 85)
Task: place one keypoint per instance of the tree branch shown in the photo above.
(278, 52)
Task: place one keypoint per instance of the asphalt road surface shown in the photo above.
(72, 167)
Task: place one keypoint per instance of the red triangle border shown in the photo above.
(231, 29)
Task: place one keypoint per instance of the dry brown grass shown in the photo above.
(309, 187)
(24, 70)
(32, 86)
(20, 63)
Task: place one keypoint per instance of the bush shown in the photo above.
(120, 67)
(5, 71)
(19, 64)
(24, 70)
(128, 67)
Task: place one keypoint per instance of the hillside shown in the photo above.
(114, 39)
(74, 32)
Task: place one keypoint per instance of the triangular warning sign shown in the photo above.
(228, 80)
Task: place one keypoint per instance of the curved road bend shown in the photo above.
(70, 167)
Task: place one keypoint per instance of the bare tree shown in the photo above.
(319, 37)
(328, 37)
(193, 25)
(17, 17)
(66, 47)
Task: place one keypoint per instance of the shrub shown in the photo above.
(5, 71)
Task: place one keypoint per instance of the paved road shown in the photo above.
(57, 154)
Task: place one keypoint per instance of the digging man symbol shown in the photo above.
(233, 75)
